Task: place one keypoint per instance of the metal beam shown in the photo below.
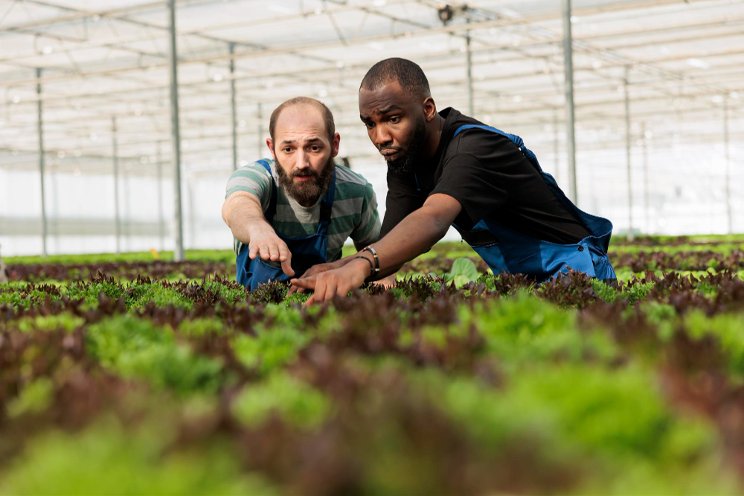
(127, 218)
(161, 215)
(727, 158)
(115, 159)
(570, 109)
(628, 145)
(556, 147)
(42, 163)
(646, 182)
(178, 253)
(259, 131)
(233, 108)
(469, 72)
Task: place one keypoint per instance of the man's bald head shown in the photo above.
(304, 100)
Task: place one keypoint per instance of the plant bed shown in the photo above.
(453, 382)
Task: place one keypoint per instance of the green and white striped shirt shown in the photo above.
(354, 212)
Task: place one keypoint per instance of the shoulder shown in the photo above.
(478, 141)
(252, 178)
(351, 184)
(255, 169)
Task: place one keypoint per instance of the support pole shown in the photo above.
(54, 220)
(727, 155)
(233, 108)
(646, 182)
(127, 221)
(628, 153)
(192, 212)
(42, 163)
(161, 214)
(556, 146)
(469, 61)
(260, 141)
(573, 192)
(115, 157)
(178, 254)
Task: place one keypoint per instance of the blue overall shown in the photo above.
(506, 250)
(306, 251)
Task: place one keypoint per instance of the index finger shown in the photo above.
(294, 289)
(306, 283)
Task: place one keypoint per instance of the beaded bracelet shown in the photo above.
(376, 268)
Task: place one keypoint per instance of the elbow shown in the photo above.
(442, 226)
(225, 214)
(227, 211)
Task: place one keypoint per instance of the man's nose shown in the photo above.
(302, 160)
(381, 136)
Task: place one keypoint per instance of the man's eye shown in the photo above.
(369, 125)
(395, 119)
(315, 148)
(287, 149)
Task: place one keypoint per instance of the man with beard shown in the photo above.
(446, 169)
(298, 209)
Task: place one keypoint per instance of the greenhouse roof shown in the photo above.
(103, 65)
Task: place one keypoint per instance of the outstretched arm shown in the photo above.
(244, 216)
(414, 235)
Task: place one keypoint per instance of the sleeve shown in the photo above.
(402, 199)
(368, 229)
(254, 179)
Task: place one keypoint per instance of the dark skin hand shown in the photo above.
(416, 234)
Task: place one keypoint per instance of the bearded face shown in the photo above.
(409, 152)
(396, 122)
(305, 185)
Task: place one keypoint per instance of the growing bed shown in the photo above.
(135, 375)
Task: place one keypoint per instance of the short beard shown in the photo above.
(306, 193)
(406, 164)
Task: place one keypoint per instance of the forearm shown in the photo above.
(244, 217)
(414, 235)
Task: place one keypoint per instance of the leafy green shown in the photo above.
(137, 349)
(463, 272)
(284, 396)
(108, 459)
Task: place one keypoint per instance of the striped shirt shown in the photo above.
(354, 214)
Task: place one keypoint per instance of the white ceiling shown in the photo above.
(107, 60)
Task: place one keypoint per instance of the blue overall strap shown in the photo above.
(269, 214)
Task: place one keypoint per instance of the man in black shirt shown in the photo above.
(449, 169)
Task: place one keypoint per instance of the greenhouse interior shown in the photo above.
(180, 317)
(121, 120)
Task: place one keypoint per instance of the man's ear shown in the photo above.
(430, 109)
(270, 144)
(335, 144)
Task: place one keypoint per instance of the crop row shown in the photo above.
(441, 385)
(635, 262)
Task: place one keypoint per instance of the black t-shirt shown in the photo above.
(491, 179)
